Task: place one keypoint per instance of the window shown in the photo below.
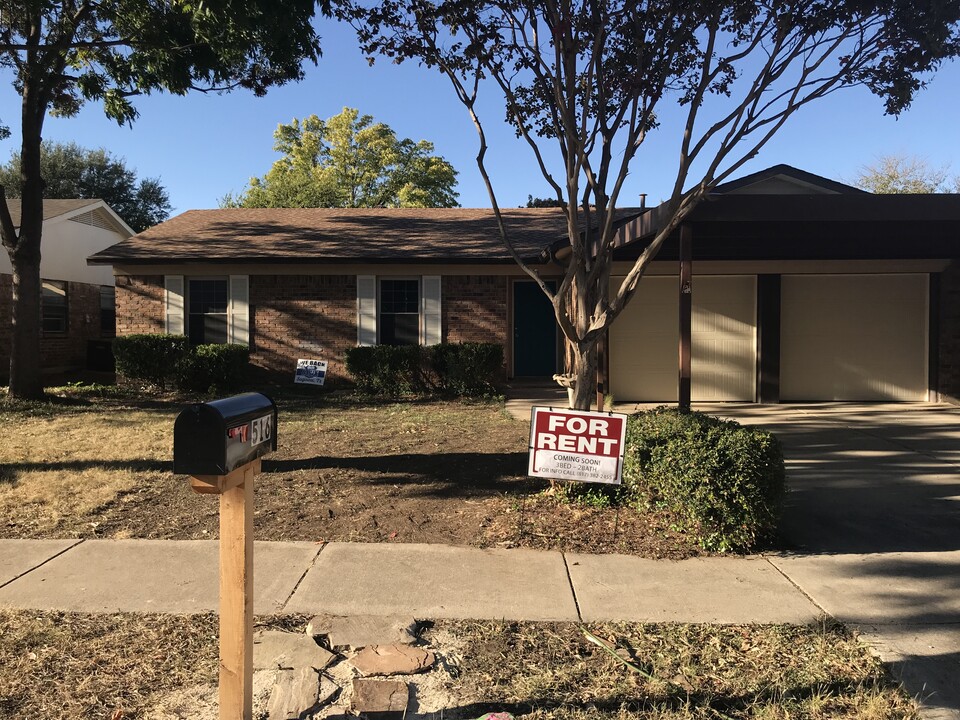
(207, 310)
(399, 317)
(108, 311)
(53, 304)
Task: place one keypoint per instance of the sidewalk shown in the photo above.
(426, 581)
(912, 623)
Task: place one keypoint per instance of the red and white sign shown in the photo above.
(577, 445)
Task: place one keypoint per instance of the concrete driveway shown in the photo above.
(872, 527)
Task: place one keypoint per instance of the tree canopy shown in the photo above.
(349, 160)
(905, 174)
(587, 83)
(70, 171)
(62, 54)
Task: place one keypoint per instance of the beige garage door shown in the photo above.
(644, 340)
(853, 337)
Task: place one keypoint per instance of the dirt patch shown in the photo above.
(345, 470)
(119, 667)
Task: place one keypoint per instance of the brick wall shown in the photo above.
(474, 308)
(68, 350)
(292, 315)
(140, 304)
(950, 333)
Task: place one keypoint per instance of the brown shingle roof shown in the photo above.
(51, 207)
(374, 235)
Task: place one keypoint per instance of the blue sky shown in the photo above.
(203, 146)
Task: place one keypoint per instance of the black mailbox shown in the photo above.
(216, 438)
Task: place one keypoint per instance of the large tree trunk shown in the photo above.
(585, 373)
(24, 253)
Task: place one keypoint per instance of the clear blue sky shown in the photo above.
(203, 146)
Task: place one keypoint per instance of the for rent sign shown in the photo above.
(577, 445)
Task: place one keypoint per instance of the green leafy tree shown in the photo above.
(70, 171)
(904, 174)
(64, 54)
(586, 83)
(350, 161)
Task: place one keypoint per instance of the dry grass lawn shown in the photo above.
(119, 667)
(58, 468)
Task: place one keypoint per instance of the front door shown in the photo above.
(534, 331)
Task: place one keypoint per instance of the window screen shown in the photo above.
(399, 322)
(54, 306)
(207, 311)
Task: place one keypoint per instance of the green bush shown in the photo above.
(461, 369)
(388, 369)
(724, 482)
(149, 357)
(467, 369)
(214, 368)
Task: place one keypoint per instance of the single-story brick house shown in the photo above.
(77, 301)
(803, 289)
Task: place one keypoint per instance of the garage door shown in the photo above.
(644, 340)
(853, 337)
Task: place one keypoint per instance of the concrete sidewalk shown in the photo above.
(426, 581)
(912, 622)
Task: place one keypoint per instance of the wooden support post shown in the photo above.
(603, 369)
(686, 314)
(236, 598)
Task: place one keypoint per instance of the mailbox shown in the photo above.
(217, 437)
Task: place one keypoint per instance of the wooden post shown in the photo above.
(686, 314)
(236, 587)
(603, 369)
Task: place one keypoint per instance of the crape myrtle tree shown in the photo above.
(587, 84)
(349, 160)
(63, 54)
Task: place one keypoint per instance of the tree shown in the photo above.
(539, 202)
(63, 54)
(585, 84)
(350, 161)
(70, 171)
(903, 174)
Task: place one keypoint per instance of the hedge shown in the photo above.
(159, 359)
(214, 369)
(460, 369)
(149, 357)
(725, 483)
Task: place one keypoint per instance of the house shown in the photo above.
(803, 288)
(77, 302)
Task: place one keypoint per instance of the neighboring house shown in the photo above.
(77, 302)
(803, 289)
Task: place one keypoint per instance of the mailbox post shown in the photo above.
(219, 444)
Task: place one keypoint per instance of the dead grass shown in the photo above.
(66, 466)
(58, 666)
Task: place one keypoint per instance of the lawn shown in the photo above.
(346, 469)
(61, 665)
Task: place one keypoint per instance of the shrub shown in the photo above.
(725, 483)
(467, 369)
(214, 368)
(388, 369)
(149, 357)
(462, 369)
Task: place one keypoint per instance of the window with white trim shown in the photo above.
(207, 302)
(398, 310)
(208, 309)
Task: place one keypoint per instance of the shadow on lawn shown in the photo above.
(464, 473)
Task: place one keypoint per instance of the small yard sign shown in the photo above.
(576, 445)
(311, 372)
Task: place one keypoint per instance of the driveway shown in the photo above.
(872, 527)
